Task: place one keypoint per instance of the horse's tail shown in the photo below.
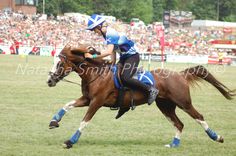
(199, 73)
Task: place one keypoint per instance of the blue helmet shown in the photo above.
(94, 21)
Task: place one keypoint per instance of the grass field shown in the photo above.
(27, 105)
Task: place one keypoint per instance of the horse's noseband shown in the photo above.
(55, 77)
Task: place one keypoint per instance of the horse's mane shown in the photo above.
(99, 62)
(80, 50)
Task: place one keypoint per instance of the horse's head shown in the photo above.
(66, 62)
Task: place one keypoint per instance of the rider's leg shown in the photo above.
(130, 66)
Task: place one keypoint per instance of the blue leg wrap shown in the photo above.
(211, 134)
(175, 142)
(75, 137)
(59, 115)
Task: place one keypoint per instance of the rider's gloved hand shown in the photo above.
(93, 50)
(88, 55)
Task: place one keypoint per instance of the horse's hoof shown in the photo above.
(171, 145)
(67, 144)
(53, 124)
(221, 139)
(175, 143)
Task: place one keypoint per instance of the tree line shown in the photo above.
(147, 10)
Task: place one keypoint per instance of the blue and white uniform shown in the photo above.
(123, 45)
(128, 56)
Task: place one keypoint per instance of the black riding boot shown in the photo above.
(150, 91)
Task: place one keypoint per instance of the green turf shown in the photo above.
(27, 104)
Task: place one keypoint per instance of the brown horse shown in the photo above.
(98, 90)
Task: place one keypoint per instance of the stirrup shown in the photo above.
(114, 108)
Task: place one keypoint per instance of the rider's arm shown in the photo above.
(113, 57)
(104, 53)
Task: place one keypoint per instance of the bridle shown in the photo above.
(74, 68)
(57, 77)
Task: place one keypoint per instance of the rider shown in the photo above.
(129, 56)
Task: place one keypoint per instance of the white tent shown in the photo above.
(208, 23)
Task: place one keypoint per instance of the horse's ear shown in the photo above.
(66, 50)
(68, 45)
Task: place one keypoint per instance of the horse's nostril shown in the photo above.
(51, 83)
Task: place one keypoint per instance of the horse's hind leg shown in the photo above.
(183, 101)
(81, 102)
(167, 107)
(199, 118)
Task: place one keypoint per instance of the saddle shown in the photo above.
(141, 75)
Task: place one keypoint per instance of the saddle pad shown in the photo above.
(145, 77)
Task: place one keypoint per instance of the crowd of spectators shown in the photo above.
(33, 31)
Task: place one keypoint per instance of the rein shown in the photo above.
(65, 80)
(72, 82)
(75, 68)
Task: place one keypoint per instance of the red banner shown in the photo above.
(215, 60)
(227, 30)
(223, 42)
(161, 35)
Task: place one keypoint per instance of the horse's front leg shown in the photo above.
(93, 107)
(81, 102)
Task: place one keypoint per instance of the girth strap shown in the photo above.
(120, 102)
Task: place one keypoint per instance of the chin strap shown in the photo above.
(103, 34)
